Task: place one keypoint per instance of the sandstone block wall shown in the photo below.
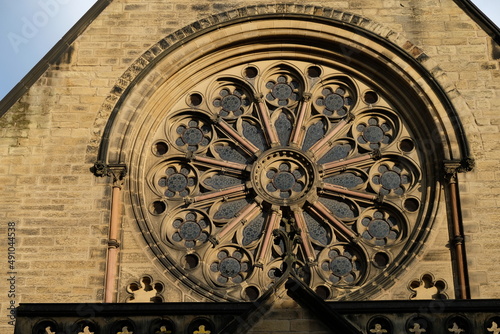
(61, 210)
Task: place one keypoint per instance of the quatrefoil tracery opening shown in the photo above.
(315, 149)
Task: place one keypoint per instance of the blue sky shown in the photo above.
(490, 8)
(29, 29)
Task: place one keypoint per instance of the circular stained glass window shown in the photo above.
(283, 150)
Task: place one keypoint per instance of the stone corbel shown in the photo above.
(116, 171)
(452, 167)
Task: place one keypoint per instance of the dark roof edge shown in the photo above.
(480, 18)
(52, 56)
(132, 309)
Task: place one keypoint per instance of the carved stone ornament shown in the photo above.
(418, 325)
(458, 324)
(116, 171)
(379, 325)
(494, 328)
(492, 325)
(86, 330)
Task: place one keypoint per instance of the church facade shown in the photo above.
(212, 167)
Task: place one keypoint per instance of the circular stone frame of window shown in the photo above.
(274, 134)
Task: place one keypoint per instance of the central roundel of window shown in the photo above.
(309, 149)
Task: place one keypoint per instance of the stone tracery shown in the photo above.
(317, 149)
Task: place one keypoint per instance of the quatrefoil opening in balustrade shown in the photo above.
(427, 287)
(145, 291)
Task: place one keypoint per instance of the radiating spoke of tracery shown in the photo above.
(299, 128)
(304, 149)
(304, 234)
(269, 128)
(211, 162)
(322, 146)
(244, 142)
(242, 218)
(323, 213)
(335, 189)
(359, 161)
(222, 193)
(271, 224)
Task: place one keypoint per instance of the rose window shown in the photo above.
(280, 163)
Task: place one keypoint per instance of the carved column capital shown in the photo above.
(259, 98)
(306, 97)
(451, 170)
